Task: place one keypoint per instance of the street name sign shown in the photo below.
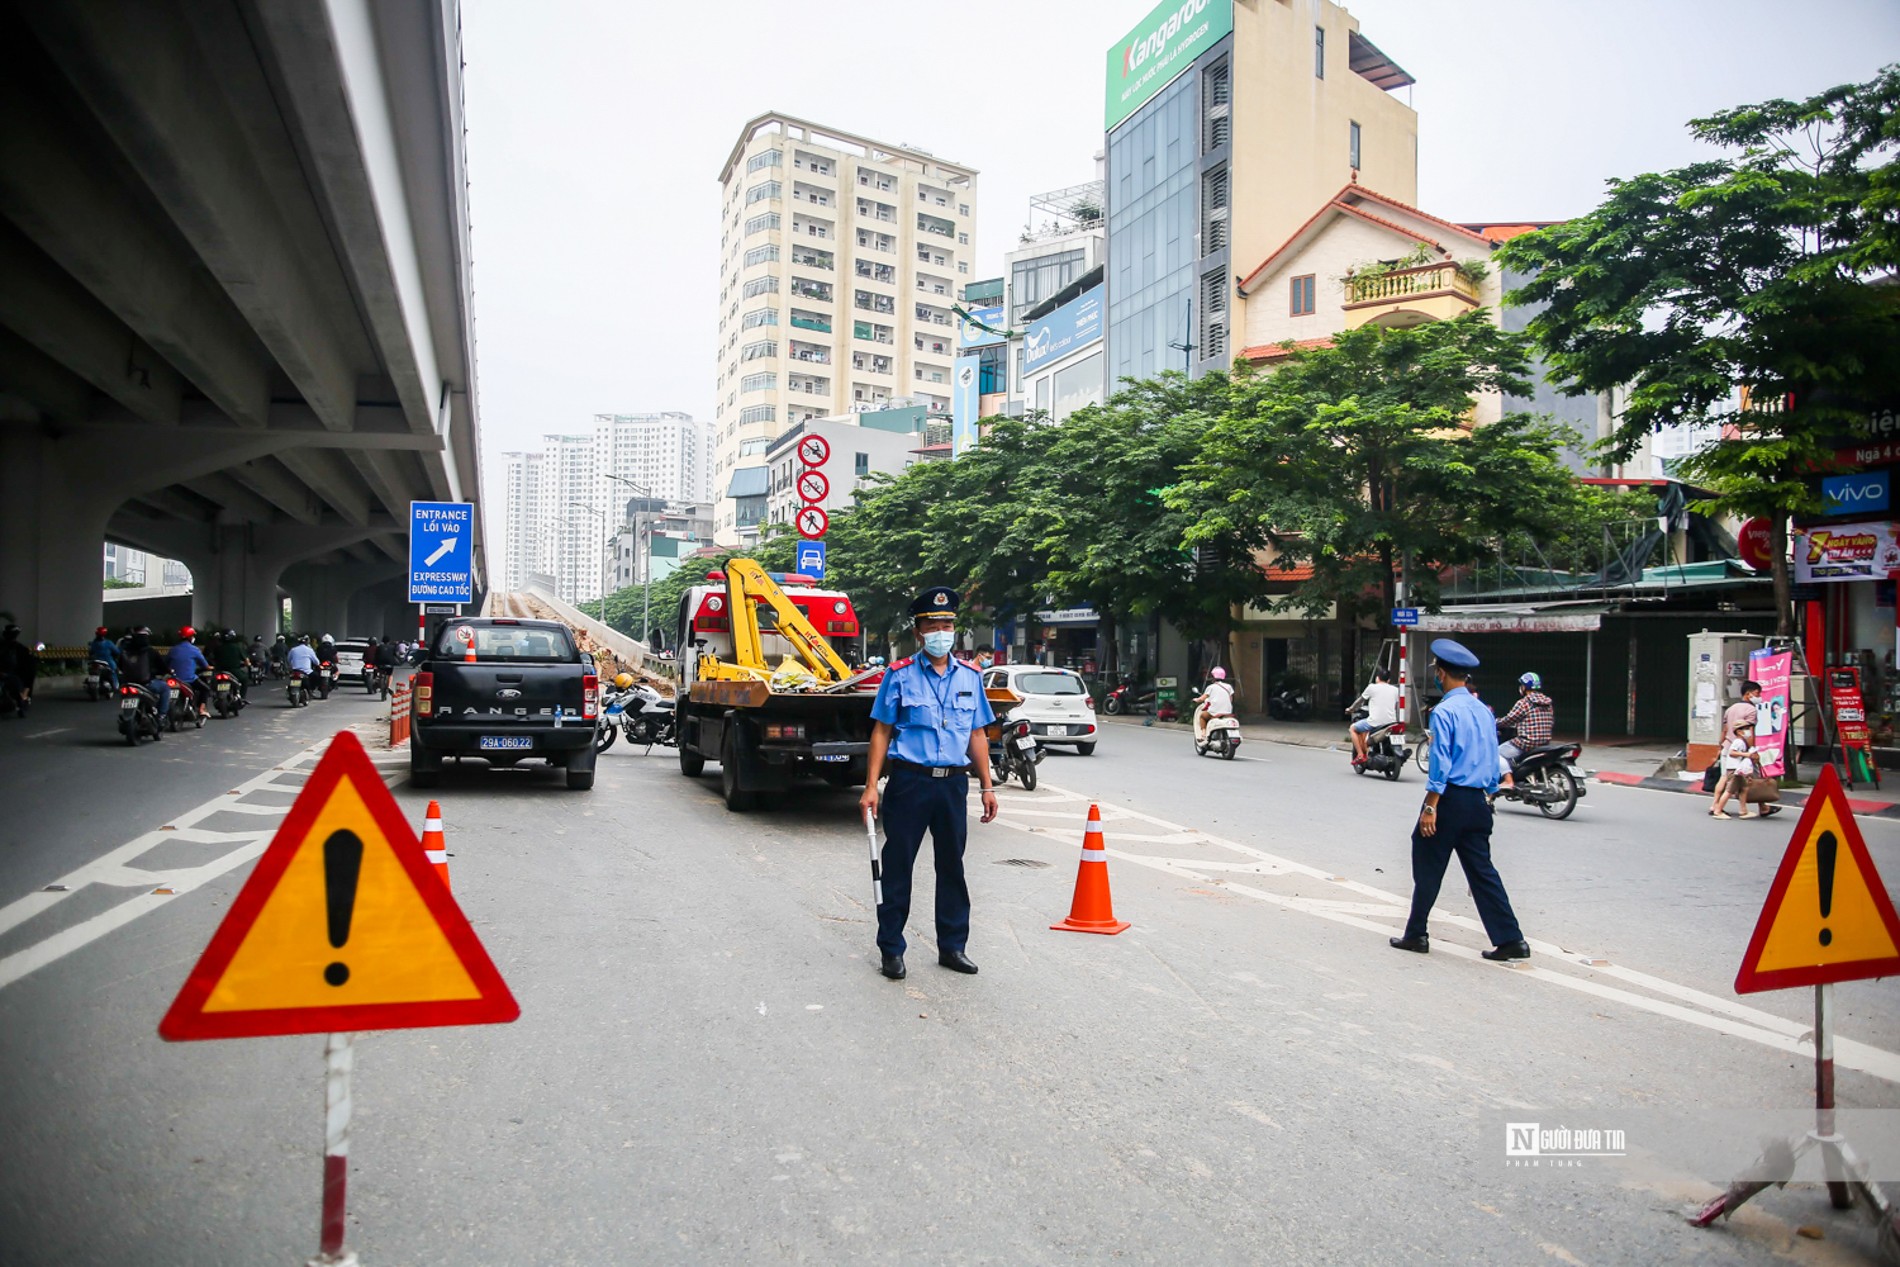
(343, 925)
(1827, 917)
(1405, 617)
(441, 552)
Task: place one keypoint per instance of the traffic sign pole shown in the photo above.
(339, 1059)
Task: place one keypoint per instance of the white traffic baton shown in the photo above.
(877, 863)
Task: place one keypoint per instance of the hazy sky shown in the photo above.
(597, 129)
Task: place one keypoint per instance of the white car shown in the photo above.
(1056, 701)
(349, 659)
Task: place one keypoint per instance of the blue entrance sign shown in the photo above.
(811, 560)
(441, 552)
(1405, 617)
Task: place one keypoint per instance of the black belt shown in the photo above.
(933, 771)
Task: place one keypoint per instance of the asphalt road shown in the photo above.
(708, 1067)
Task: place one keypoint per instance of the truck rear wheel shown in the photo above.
(738, 800)
(692, 765)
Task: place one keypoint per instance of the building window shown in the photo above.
(759, 286)
(759, 317)
(1214, 210)
(1353, 147)
(1216, 98)
(1034, 280)
(757, 413)
(1303, 304)
(768, 159)
(760, 255)
(1214, 315)
(1319, 52)
(860, 464)
(963, 266)
(762, 224)
(758, 351)
(759, 193)
(758, 382)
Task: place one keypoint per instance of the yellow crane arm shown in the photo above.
(745, 579)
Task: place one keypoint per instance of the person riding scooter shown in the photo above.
(104, 652)
(1381, 699)
(1215, 700)
(1532, 719)
(186, 662)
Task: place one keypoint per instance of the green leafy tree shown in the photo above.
(1349, 456)
(625, 605)
(1768, 268)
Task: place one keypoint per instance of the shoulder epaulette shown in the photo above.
(905, 663)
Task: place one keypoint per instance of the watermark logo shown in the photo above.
(1531, 1144)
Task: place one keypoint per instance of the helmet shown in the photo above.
(1531, 682)
(187, 633)
(326, 638)
(623, 680)
(101, 632)
(1219, 674)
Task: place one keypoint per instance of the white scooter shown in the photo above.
(1222, 739)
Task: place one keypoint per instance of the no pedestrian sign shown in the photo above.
(441, 552)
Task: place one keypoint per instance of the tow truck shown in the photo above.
(767, 726)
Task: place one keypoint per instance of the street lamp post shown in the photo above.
(604, 523)
(642, 565)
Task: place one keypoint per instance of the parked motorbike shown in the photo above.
(298, 690)
(1222, 739)
(1545, 777)
(225, 696)
(1014, 750)
(1290, 704)
(138, 714)
(641, 713)
(1386, 752)
(1129, 698)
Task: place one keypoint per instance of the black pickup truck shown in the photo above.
(506, 691)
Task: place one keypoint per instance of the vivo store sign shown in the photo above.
(1864, 491)
(1161, 46)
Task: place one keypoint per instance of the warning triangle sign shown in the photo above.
(344, 925)
(1828, 916)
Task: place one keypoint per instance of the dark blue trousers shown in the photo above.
(1464, 828)
(913, 803)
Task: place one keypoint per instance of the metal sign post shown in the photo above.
(339, 1059)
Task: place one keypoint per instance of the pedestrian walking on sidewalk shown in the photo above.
(1456, 817)
(1740, 759)
(928, 731)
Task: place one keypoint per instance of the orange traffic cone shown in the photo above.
(434, 847)
(1092, 911)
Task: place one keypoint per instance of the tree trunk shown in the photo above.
(1778, 568)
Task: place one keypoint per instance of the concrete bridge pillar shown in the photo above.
(53, 523)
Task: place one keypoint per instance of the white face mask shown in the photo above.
(937, 644)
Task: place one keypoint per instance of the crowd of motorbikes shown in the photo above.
(146, 712)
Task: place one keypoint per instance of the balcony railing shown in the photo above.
(812, 323)
(1410, 283)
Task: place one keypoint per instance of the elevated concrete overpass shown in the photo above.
(235, 320)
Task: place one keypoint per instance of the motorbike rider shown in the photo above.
(385, 658)
(1534, 716)
(19, 665)
(1215, 700)
(142, 668)
(106, 652)
(326, 649)
(185, 661)
(229, 656)
(300, 658)
(1381, 699)
(278, 650)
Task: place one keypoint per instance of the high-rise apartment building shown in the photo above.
(840, 258)
(669, 455)
(571, 530)
(521, 518)
(1228, 122)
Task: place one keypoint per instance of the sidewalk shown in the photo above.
(1635, 763)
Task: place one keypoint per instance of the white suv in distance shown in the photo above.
(1056, 701)
(349, 659)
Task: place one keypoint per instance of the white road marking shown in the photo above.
(1385, 912)
(41, 734)
(116, 869)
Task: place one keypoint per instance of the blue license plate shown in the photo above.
(839, 759)
(491, 742)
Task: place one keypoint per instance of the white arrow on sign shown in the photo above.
(446, 548)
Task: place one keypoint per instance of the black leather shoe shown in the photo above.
(893, 967)
(955, 960)
(1509, 950)
(1417, 945)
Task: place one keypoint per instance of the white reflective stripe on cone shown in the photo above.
(436, 855)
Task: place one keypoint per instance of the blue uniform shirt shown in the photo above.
(301, 657)
(1464, 744)
(933, 713)
(185, 660)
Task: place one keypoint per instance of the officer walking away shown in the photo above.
(928, 733)
(1456, 816)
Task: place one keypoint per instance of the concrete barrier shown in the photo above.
(628, 650)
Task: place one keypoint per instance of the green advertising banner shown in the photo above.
(1161, 46)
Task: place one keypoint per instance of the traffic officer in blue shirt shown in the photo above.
(1456, 816)
(928, 734)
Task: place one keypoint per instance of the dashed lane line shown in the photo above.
(118, 869)
(1385, 912)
